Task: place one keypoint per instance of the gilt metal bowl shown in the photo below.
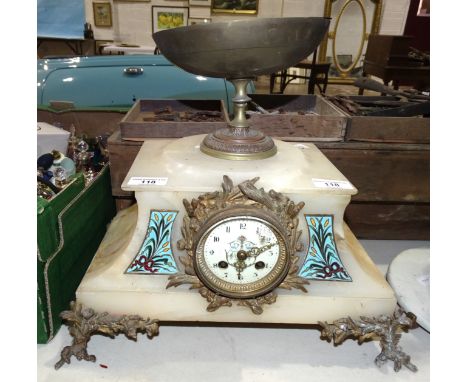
(239, 51)
(242, 48)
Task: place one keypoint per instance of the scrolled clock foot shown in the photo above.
(76, 349)
(385, 327)
(398, 357)
(85, 322)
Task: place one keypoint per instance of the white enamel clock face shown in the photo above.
(241, 256)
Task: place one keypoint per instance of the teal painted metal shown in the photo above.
(101, 81)
(322, 261)
(155, 255)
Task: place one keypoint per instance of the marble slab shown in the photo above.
(409, 276)
(292, 170)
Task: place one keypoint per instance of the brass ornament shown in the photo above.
(84, 322)
(243, 199)
(387, 328)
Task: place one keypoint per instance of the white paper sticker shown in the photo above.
(332, 184)
(146, 181)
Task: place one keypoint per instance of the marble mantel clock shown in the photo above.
(234, 226)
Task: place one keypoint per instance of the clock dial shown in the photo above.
(241, 256)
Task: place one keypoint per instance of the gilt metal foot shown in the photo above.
(85, 322)
(387, 328)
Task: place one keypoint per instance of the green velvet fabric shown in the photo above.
(47, 217)
(83, 223)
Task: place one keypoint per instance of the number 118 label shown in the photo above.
(332, 184)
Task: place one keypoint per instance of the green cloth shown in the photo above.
(74, 226)
(47, 217)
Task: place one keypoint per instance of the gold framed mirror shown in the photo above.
(348, 35)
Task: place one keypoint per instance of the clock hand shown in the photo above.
(239, 264)
(254, 252)
(243, 255)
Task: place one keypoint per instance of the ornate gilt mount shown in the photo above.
(385, 327)
(84, 322)
(215, 204)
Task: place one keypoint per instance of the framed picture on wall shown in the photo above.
(235, 6)
(205, 3)
(195, 20)
(169, 17)
(102, 14)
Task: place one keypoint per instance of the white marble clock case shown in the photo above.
(106, 286)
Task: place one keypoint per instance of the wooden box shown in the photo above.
(388, 50)
(134, 126)
(90, 122)
(303, 118)
(393, 125)
(393, 184)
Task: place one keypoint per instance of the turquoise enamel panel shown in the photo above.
(322, 261)
(155, 255)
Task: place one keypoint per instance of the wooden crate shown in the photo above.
(91, 123)
(383, 172)
(392, 128)
(393, 184)
(134, 127)
(389, 221)
(328, 124)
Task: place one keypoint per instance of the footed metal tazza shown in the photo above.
(239, 51)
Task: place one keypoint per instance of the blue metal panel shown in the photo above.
(102, 82)
(155, 255)
(322, 261)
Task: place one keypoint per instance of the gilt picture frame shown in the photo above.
(169, 17)
(102, 13)
(248, 7)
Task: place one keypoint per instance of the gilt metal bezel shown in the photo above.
(248, 290)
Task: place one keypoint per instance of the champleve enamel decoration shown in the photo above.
(322, 261)
(155, 255)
